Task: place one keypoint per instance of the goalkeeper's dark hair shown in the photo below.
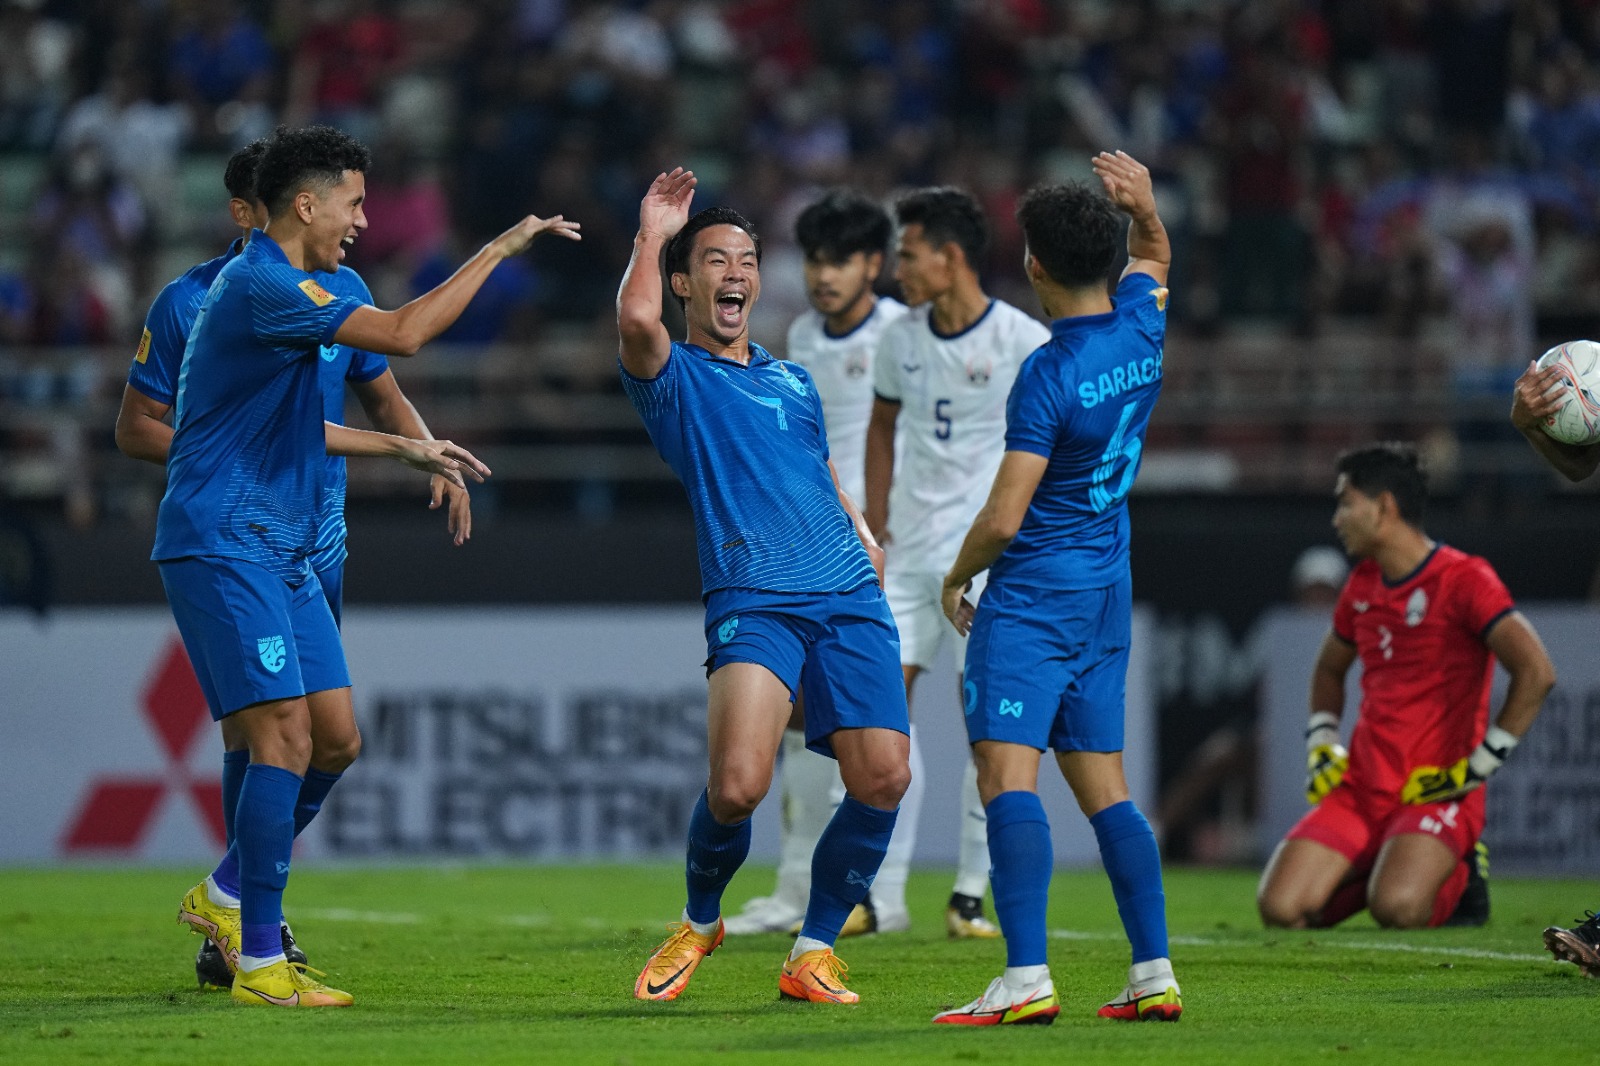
(1072, 232)
(841, 224)
(314, 157)
(243, 165)
(681, 245)
(1392, 467)
(947, 216)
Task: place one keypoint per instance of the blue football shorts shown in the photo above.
(331, 579)
(249, 635)
(1049, 668)
(841, 648)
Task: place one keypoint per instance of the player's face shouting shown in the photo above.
(834, 286)
(336, 222)
(724, 282)
(923, 271)
(1355, 517)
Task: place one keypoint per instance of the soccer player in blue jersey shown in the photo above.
(790, 578)
(143, 433)
(243, 509)
(1048, 656)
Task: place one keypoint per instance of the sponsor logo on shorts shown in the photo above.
(1011, 707)
(727, 629)
(273, 652)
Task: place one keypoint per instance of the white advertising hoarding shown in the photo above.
(549, 734)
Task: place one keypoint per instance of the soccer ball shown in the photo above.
(1578, 419)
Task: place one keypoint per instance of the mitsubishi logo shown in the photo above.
(117, 811)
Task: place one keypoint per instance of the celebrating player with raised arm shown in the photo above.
(788, 572)
(243, 509)
(1395, 827)
(1048, 658)
(844, 237)
(940, 381)
(143, 433)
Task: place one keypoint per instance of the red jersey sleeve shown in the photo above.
(1481, 597)
(1344, 615)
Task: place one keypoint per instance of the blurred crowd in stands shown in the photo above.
(1426, 172)
(1396, 160)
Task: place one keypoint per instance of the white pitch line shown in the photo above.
(340, 914)
(1340, 944)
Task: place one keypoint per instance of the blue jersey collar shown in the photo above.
(1066, 327)
(268, 246)
(758, 355)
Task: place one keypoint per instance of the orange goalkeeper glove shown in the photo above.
(1326, 759)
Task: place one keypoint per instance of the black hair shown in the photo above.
(311, 156)
(841, 224)
(1072, 231)
(1392, 467)
(243, 165)
(682, 243)
(947, 216)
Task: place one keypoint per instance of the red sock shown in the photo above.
(1444, 904)
(1349, 898)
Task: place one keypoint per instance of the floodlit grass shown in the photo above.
(536, 964)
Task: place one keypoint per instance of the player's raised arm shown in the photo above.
(405, 330)
(1127, 183)
(664, 210)
(1537, 395)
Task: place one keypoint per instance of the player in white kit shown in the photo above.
(941, 378)
(845, 237)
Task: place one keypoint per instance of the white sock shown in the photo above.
(247, 963)
(889, 887)
(1022, 978)
(700, 927)
(1153, 971)
(218, 896)
(803, 944)
(811, 791)
(972, 875)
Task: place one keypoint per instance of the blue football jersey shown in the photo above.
(249, 456)
(166, 328)
(340, 363)
(1083, 401)
(749, 445)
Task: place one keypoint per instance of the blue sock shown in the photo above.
(226, 875)
(1021, 860)
(716, 852)
(233, 767)
(313, 791)
(843, 865)
(264, 846)
(1133, 862)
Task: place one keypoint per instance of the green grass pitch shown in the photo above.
(491, 964)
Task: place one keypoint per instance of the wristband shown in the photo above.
(1322, 730)
(1496, 746)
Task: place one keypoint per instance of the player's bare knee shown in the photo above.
(334, 755)
(880, 784)
(733, 797)
(1401, 909)
(1278, 911)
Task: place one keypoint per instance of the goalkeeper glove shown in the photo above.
(1326, 759)
(1436, 784)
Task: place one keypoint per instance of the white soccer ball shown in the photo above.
(1578, 419)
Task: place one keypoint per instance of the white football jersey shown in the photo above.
(952, 424)
(841, 367)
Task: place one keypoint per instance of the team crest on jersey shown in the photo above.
(273, 652)
(144, 348)
(319, 296)
(856, 366)
(978, 372)
(1416, 608)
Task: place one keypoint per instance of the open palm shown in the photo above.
(665, 208)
